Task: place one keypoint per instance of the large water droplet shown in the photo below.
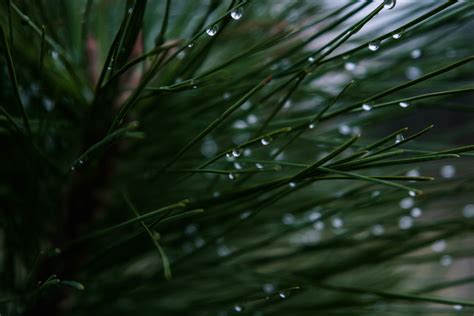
(468, 211)
(399, 138)
(377, 230)
(236, 152)
(405, 222)
(366, 107)
(407, 203)
(265, 140)
(212, 30)
(396, 35)
(416, 212)
(415, 54)
(389, 4)
(404, 104)
(373, 46)
(237, 13)
(439, 245)
(448, 171)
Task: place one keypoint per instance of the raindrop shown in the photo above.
(212, 30)
(292, 184)
(405, 222)
(404, 104)
(233, 176)
(399, 138)
(265, 141)
(439, 245)
(226, 96)
(252, 119)
(314, 216)
(448, 171)
(349, 66)
(311, 126)
(181, 55)
(247, 152)
(407, 203)
(397, 35)
(457, 307)
(239, 124)
(416, 212)
(377, 230)
(282, 295)
(412, 193)
(319, 226)
(237, 13)
(468, 211)
(54, 54)
(344, 129)
(311, 59)
(413, 73)
(413, 173)
(245, 215)
(389, 4)
(366, 107)
(246, 106)
(238, 308)
(288, 219)
(287, 104)
(268, 288)
(236, 152)
(415, 54)
(446, 260)
(337, 222)
(190, 45)
(373, 46)
(237, 166)
(259, 165)
(228, 155)
(223, 250)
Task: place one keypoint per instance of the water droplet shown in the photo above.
(245, 215)
(319, 226)
(57, 251)
(366, 107)
(412, 193)
(397, 35)
(212, 30)
(190, 45)
(223, 251)
(259, 165)
(287, 104)
(237, 13)
(237, 166)
(404, 104)
(405, 222)
(190, 229)
(54, 54)
(468, 211)
(238, 308)
(292, 184)
(377, 230)
(413, 173)
(229, 155)
(288, 219)
(239, 124)
(375, 194)
(416, 212)
(337, 222)
(446, 260)
(344, 129)
(448, 171)
(130, 10)
(199, 242)
(350, 66)
(415, 54)
(374, 46)
(439, 245)
(457, 307)
(311, 59)
(282, 295)
(109, 68)
(252, 119)
(72, 168)
(407, 203)
(233, 176)
(181, 55)
(314, 216)
(399, 138)
(268, 288)
(236, 152)
(247, 152)
(311, 126)
(413, 73)
(389, 4)
(265, 140)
